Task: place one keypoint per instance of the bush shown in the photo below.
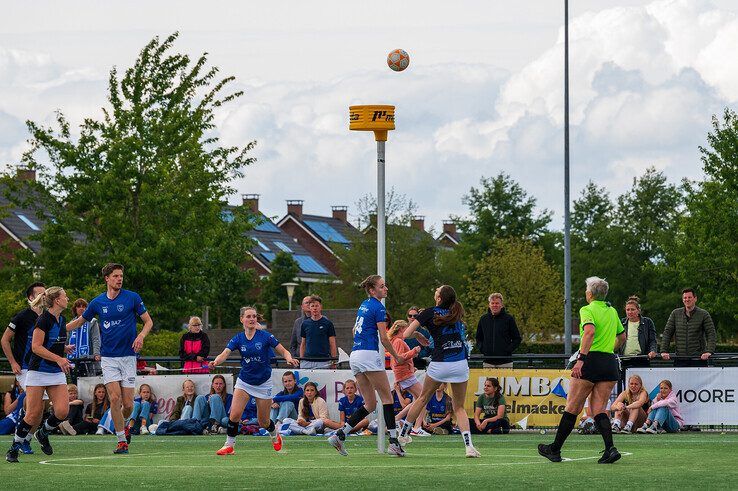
(162, 343)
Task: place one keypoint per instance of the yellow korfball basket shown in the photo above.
(377, 118)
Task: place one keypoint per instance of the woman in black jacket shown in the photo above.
(640, 334)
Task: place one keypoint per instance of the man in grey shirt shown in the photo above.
(295, 339)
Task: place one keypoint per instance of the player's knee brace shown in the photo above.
(232, 429)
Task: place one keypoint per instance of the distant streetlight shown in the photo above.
(290, 291)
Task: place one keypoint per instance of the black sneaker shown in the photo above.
(546, 451)
(43, 438)
(12, 455)
(609, 456)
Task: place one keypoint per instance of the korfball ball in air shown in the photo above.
(398, 59)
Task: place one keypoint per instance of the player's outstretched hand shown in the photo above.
(292, 362)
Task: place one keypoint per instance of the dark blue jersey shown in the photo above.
(437, 410)
(348, 408)
(55, 337)
(449, 343)
(255, 355)
(22, 325)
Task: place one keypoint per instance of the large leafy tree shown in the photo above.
(144, 185)
(706, 250)
(531, 287)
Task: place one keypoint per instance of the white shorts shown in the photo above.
(21, 378)
(452, 372)
(408, 382)
(263, 391)
(43, 379)
(119, 369)
(364, 360)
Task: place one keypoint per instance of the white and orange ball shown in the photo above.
(398, 59)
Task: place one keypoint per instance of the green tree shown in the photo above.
(144, 186)
(500, 208)
(531, 287)
(273, 294)
(706, 249)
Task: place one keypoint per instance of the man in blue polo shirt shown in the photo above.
(318, 337)
(119, 342)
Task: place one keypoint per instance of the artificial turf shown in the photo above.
(694, 460)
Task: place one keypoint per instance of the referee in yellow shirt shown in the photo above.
(595, 372)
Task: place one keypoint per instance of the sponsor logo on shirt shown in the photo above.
(452, 345)
(109, 324)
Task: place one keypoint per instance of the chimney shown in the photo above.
(340, 213)
(25, 174)
(418, 222)
(251, 201)
(449, 227)
(294, 207)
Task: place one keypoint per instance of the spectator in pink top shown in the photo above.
(194, 348)
(663, 415)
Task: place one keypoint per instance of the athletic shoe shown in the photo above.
(653, 429)
(420, 432)
(226, 450)
(404, 440)
(642, 429)
(213, 429)
(127, 432)
(547, 451)
(395, 449)
(338, 445)
(627, 430)
(144, 430)
(472, 453)
(121, 448)
(615, 428)
(100, 431)
(43, 438)
(277, 443)
(609, 456)
(12, 454)
(222, 431)
(311, 431)
(26, 447)
(66, 429)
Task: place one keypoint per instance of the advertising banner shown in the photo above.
(707, 395)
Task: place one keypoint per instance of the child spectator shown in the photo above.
(349, 403)
(145, 407)
(212, 410)
(490, 412)
(284, 404)
(184, 407)
(94, 412)
(312, 413)
(194, 348)
(438, 420)
(631, 406)
(402, 400)
(663, 415)
(405, 372)
(76, 412)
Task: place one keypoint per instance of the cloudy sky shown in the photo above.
(483, 93)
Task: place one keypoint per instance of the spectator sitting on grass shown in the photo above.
(194, 348)
(94, 413)
(312, 413)
(663, 415)
(212, 409)
(438, 419)
(284, 404)
(631, 406)
(349, 403)
(10, 399)
(76, 411)
(490, 412)
(144, 409)
(402, 400)
(9, 422)
(185, 403)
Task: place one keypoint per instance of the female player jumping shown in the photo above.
(448, 360)
(367, 364)
(47, 371)
(254, 379)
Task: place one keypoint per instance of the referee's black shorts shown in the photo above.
(601, 367)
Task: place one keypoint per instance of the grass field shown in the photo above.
(704, 460)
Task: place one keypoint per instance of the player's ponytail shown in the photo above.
(46, 299)
(449, 302)
(370, 282)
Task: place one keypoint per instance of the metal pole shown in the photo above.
(567, 221)
(381, 251)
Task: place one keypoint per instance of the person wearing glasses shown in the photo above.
(419, 361)
(194, 348)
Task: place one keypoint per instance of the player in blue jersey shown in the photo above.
(116, 310)
(448, 360)
(47, 369)
(367, 364)
(255, 378)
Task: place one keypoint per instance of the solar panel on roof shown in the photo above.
(269, 256)
(267, 226)
(309, 265)
(282, 246)
(226, 216)
(326, 232)
(28, 222)
(261, 244)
